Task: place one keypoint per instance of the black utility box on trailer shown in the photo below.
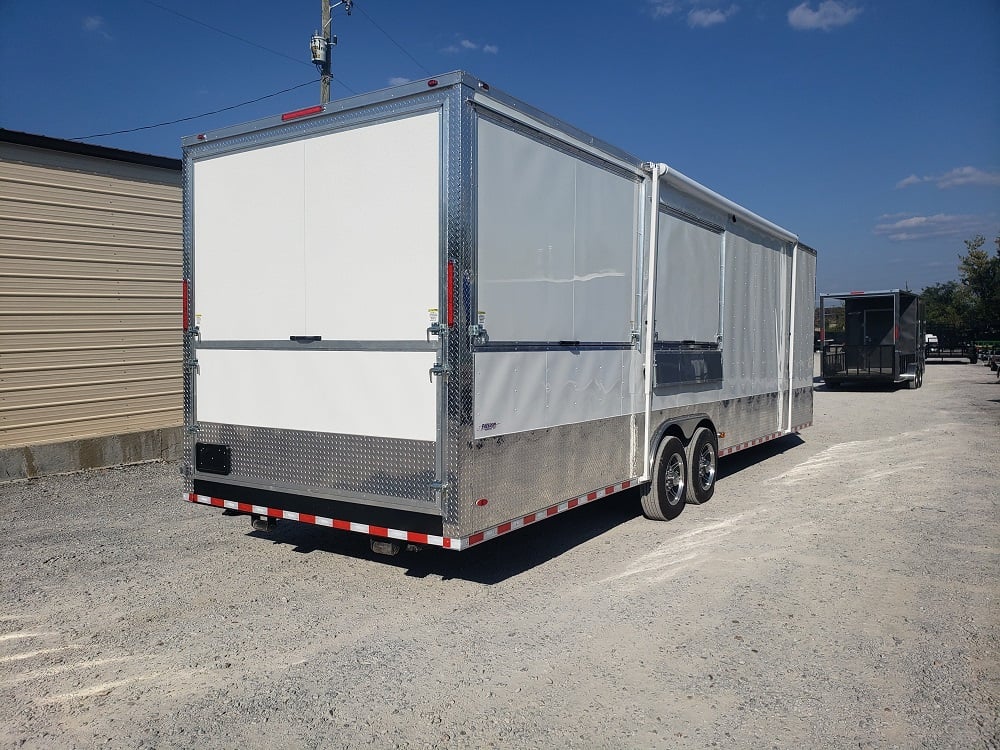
(882, 339)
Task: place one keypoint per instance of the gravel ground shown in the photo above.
(839, 591)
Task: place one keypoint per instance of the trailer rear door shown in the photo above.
(316, 261)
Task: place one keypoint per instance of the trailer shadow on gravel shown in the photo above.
(737, 462)
(507, 556)
(491, 562)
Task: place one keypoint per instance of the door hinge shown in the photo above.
(478, 334)
(436, 329)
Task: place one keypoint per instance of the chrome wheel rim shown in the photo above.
(706, 467)
(673, 479)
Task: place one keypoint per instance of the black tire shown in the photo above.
(703, 465)
(663, 498)
(920, 377)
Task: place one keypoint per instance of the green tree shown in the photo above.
(980, 273)
(974, 301)
(945, 306)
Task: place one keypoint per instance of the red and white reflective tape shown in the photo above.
(758, 441)
(333, 523)
(552, 510)
(414, 537)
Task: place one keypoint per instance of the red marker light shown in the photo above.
(432, 83)
(185, 299)
(481, 502)
(301, 113)
(857, 292)
(201, 136)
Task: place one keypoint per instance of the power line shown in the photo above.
(387, 36)
(194, 117)
(240, 39)
(227, 33)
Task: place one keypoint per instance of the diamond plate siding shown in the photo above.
(459, 159)
(326, 464)
(802, 406)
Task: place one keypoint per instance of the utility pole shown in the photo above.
(321, 45)
(324, 80)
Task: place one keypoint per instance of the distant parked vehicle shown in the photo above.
(883, 339)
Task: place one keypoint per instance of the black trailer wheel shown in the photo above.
(703, 464)
(664, 497)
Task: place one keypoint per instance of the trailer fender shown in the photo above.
(914, 375)
(682, 428)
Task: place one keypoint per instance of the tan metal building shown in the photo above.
(90, 306)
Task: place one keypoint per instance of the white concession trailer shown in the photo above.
(434, 314)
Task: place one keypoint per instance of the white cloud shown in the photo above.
(829, 14)
(907, 181)
(467, 45)
(96, 25)
(968, 176)
(663, 8)
(955, 178)
(398, 81)
(902, 227)
(699, 13)
(702, 18)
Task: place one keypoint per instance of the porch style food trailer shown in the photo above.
(434, 315)
(882, 341)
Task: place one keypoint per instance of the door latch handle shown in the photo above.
(438, 369)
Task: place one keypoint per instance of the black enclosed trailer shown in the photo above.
(882, 339)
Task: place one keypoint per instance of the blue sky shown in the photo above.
(870, 129)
